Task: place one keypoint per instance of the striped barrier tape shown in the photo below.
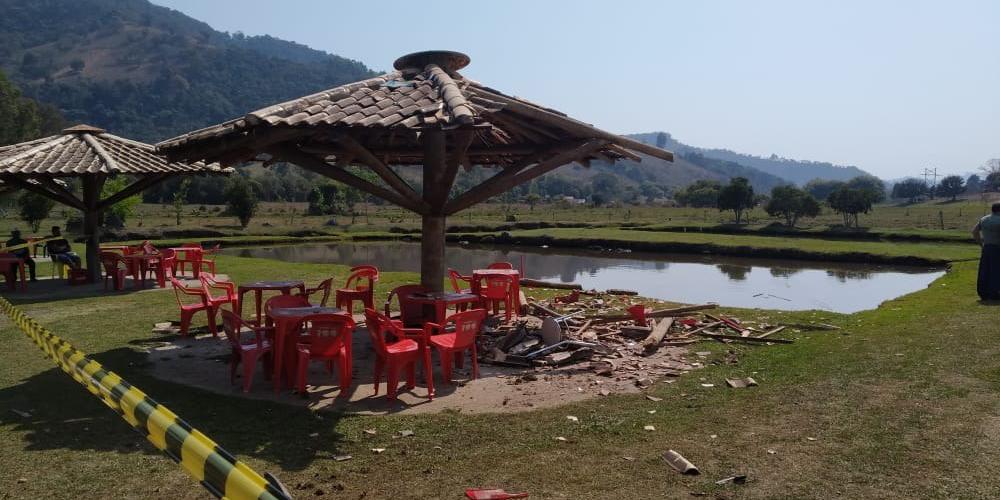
(215, 468)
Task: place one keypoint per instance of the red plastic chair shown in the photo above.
(455, 277)
(9, 272)
(115, 269)
(498, 289)
(401, 353)
(280, 302)
(209, 263)
(324, 287)
(452, 345)
(228, 295)
(247, 353)
(331, 340)
(360, 286)
(500, 265)
(411, 314)
(191, 258)
(188, 310)
(162, 266)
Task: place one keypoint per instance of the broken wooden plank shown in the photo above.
(662, 313)
(652, 342)
(720, 336)
(771, 332)
(530, 283)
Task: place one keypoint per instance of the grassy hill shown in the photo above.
(795, 171)
(149, 72)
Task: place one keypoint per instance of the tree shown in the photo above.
(791, 203)
(317, 205)
(19, 120)
(35, 208)
(736, 196)
(180, 198)
(951, 187)
(872, 186)
(850, 202)
(606, 188)
(821, 188)
(909, 189)
(701, 194)
(125, 208)
(532, 199)
(974, 184)
(241, 199)
(661, 140)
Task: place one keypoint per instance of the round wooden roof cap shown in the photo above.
(448, 60)
(83, 129)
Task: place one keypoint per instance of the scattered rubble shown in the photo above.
(609, 336)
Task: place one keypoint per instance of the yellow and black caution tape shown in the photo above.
(217, 470)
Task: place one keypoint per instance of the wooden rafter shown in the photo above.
(462, 140)
(511, 177)
(324, 168)
(144, 183)
(66, 198)
(390, 177)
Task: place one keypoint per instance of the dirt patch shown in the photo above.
(202, 361)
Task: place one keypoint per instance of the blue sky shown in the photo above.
(889, 86)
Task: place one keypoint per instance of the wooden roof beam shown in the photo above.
(364, 155)
(62, 195)
(512, 176)
(143, 183)
(322, 167)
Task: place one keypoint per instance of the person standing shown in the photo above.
(22, 253)
(987, 234)
(60, 250)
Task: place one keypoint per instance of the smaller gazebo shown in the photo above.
(93, 156)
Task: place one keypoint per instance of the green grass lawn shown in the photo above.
(903, 402)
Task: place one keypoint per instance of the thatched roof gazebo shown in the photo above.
(92, 155)
(423, 114)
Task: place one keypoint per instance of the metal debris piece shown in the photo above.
(741, 383)
(738, 479)
(680, 464)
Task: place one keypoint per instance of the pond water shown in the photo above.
(729, 281)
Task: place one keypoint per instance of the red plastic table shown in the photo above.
(258, 288)
(138, 264)
(479, 275)
(20, 264)
(284, 320)
(441, 300)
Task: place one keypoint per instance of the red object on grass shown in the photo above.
(330, 338)
(452, 345)
(247, 353)
(455, 278)
(492, 494)
(323, 287)
(395, 352)
(360, 286)
(638, 313)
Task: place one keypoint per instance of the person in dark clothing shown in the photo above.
(987, 234)
(60, 250)
(22, 253)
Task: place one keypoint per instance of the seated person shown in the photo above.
(22, 253)
(60, 250)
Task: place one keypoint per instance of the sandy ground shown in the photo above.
(202, 362)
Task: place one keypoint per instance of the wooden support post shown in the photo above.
(433, 227)
(92, 185)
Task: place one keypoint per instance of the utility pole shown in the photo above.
(931, 173)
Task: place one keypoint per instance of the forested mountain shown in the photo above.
(796, 171)
(148, 72)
